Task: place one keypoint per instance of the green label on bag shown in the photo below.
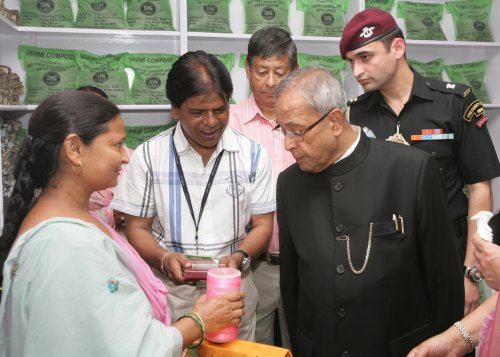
(323, 17)
(385, 5)
(151, 71)
(48, 71)
(472, 74)
(265, 13)
(105, 72)
(101, 14)
(471, 20)
(152, 15)
(227, 59)
(46, 13)
(136, 135)
(334, 64)
(208, 15)
(431, 69)
(422, 20)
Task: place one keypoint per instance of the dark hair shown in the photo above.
(59, 115)
(197, 73)
(92, 89)
(387, 39)
(272, 41)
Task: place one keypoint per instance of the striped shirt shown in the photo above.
(247, 118)
(150, 187)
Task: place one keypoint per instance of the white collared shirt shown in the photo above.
(351, 148)
(151, 188)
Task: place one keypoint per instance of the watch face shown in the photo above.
(245, 264)
(476, 274)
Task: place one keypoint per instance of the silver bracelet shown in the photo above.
(466, 335)
(162, 262)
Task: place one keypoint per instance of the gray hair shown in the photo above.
(318, 86)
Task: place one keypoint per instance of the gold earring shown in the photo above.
(77, 169)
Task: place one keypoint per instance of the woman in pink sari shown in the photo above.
(72, 286)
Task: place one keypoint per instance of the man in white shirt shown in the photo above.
(195, 188)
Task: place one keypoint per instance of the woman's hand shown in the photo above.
(220, 311)
(488, 260)
(447, 344)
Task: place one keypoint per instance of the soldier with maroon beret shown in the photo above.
(445, 119)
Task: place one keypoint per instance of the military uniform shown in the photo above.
(446, 120)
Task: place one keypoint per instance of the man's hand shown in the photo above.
(173, 265)
(231, 261)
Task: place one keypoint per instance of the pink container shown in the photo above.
(222, 281)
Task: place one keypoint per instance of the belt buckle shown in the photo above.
(270, 260)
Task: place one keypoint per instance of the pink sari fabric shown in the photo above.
(489, 342)
(99, 205)
(153, 287)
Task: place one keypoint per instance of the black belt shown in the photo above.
(270, 258)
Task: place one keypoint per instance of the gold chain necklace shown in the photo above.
(367, 256)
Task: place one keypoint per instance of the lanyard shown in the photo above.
(185, 188)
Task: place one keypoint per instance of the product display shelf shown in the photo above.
(69, 31)
(99, 41)
(184, 40)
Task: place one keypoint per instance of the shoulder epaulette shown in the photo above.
(448, 87)
(358, 99)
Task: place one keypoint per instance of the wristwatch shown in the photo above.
(473, 274)
(245, 264)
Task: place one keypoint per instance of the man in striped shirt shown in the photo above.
(195, 188)
(272, 55)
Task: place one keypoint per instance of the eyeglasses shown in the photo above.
(297, 135)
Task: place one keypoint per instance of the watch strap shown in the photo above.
(242, 252)
(473, 274)
(245, 263)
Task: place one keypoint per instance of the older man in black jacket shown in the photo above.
(367, 260)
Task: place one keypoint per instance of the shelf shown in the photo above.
(99, 33)
(246, 37)
(336, 40)
(130, 34)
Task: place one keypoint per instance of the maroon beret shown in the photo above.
(366, 26)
